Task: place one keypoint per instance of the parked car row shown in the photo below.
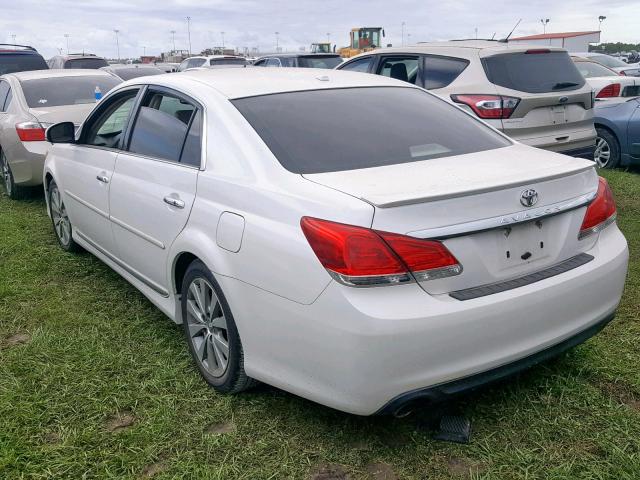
(370, 242)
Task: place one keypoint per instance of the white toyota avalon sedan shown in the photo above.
(349, 238)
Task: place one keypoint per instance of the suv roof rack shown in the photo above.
(81, 54)
(24, 47)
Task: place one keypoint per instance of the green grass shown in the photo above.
(92, 353)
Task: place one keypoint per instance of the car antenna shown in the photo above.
(506, 39)
(493, 36)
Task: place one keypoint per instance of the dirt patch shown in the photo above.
(359, 445)
(153, 469)
(119, 421)
(380, 471)
(52, 438)
(463, 467)
(220, 428)
(621, 392)
(329, 472)
(16, 339)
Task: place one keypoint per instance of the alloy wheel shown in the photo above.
(602, 154)
(59, 216)
(207, 327)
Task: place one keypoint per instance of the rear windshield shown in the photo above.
(57, 91)
(129, 73)
(553, 71)
(20, 62)
(94, 63)
(320, 62)
(227, 61)
(322, 131)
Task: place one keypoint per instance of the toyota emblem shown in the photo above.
(529, 197)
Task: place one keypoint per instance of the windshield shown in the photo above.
(21, 62)
(321, 131)
(320, 61)
(57, 91)
(540, 72)
(593, 69)
(90, 63)
(608, 61)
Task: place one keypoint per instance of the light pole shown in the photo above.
(14, 38)
(601, 18)
(408, 38)
(173, 37)
(403, 33)
(189, 33)
(66, 35)
(328, 37)
(222, 33)
(277, 42)
(544, 22)
(144, 51)
(117, 43)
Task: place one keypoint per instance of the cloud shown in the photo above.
(251, 23)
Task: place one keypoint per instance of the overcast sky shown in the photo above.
(252, 23)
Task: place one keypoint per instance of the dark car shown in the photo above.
(20, 58)
(300, 60)
(127, 72)
(618, 125)
(77, 60)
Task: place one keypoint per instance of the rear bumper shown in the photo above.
(27, 162)
(445, 391)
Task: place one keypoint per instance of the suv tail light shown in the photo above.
(600, 213)
(489, 106)
(362, 257)
(30, 132)
(611, 90)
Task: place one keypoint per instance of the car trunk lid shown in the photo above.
(64, 113)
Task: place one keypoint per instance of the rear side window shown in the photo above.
(4, 90)
(273, 62)
(400, 68)
(441, 71)
(57, 91)
(360, 65)
(21, 62)
(90, 63)
(346, 129)
(320, 62)
(161, 127)
(541, 71)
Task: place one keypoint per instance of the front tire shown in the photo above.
(607, 153)
(60, 220)
(211, 332)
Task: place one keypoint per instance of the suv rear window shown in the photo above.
(549, 71)
(21, 62)
(322, 131)
(57, 91)
(91, 63)
(227, 61)
(316, 61)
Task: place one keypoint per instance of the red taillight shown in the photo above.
(30, 132)
(601, 212)
(611, 90)
(358, 256)
(536, 51)
(489, 106)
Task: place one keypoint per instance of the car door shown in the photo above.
(154, 183)
(85, 169)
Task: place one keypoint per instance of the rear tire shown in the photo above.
(60, 220)
(13, 191)
(211, 332)
(607, 153)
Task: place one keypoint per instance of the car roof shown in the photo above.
(121, 66)
(486, 45)
(300, 54)
(249, 82)
(57, 73)
(213, 57)
(10, 48)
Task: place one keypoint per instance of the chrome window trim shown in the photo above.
(500, 221)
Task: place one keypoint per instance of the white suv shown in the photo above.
(349, 238)
(534, 95)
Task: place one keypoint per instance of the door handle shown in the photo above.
(174, 202)
(103, 178)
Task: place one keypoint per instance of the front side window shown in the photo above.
(58, 91)
(441, 71)
(183, 65)
(196, 62)
(360, 65)
(161, 127)
(106, 130)
(314, 131)
(400, 68)
(273, 62)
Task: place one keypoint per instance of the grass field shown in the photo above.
(96, 383)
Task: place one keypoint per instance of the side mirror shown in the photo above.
(64, 132)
